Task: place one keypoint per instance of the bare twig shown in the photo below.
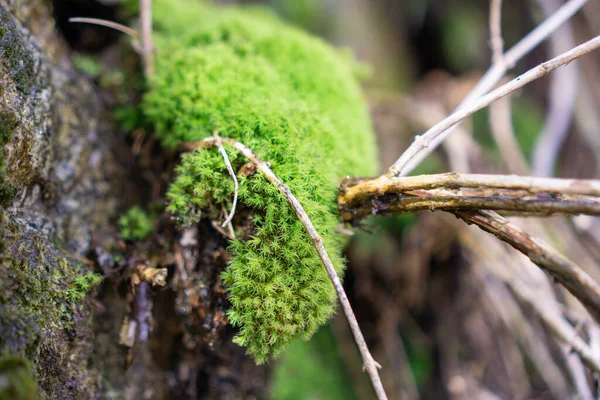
(109, 24)
(425, 141)
(146, 37)
(496, 42)
(369, 364)
(569, 274)
(232, 174)
(500, 117)
(561, 100)
(412, 158)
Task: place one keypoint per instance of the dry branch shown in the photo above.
(354, 192)
(369, 364)
(566, 272)
(382, 193)
(425, 141)
(561, 99)
(498, 200)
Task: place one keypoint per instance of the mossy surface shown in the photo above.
(296, 102)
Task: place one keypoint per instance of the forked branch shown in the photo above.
(382, 194)
(439, 131)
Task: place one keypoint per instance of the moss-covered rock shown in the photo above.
(56, 176)
(296, 102)
(41, 309)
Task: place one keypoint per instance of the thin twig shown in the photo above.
(146, 37)
(109, 24)
(425, 141)
(487, 82)
(500, 117)
(496, 42)
(565, 271)
(232, 174)
(369, 364)
(561, 100)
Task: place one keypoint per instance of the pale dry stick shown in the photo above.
(424, 141)
(113, 25)
(109, 24)
(500, 120)
(561, 100)
(369, 364)
(496, 42)
(500, 117)
(558, 326)
(492, 76)
(232, 174)
(146, 37)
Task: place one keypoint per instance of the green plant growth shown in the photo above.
(41, 294)
(296, 102)
(82, 284)
(135, 224)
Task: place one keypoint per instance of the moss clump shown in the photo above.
(136, 224)
(296, 102)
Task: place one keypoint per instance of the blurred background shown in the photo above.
(439, 301)
(447, 310)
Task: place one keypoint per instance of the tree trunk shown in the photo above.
(65, 176)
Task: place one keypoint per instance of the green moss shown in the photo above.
(37, 305)
(136, 224)
(16, 379)
(296, 102)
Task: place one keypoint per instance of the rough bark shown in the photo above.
(65, 175)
